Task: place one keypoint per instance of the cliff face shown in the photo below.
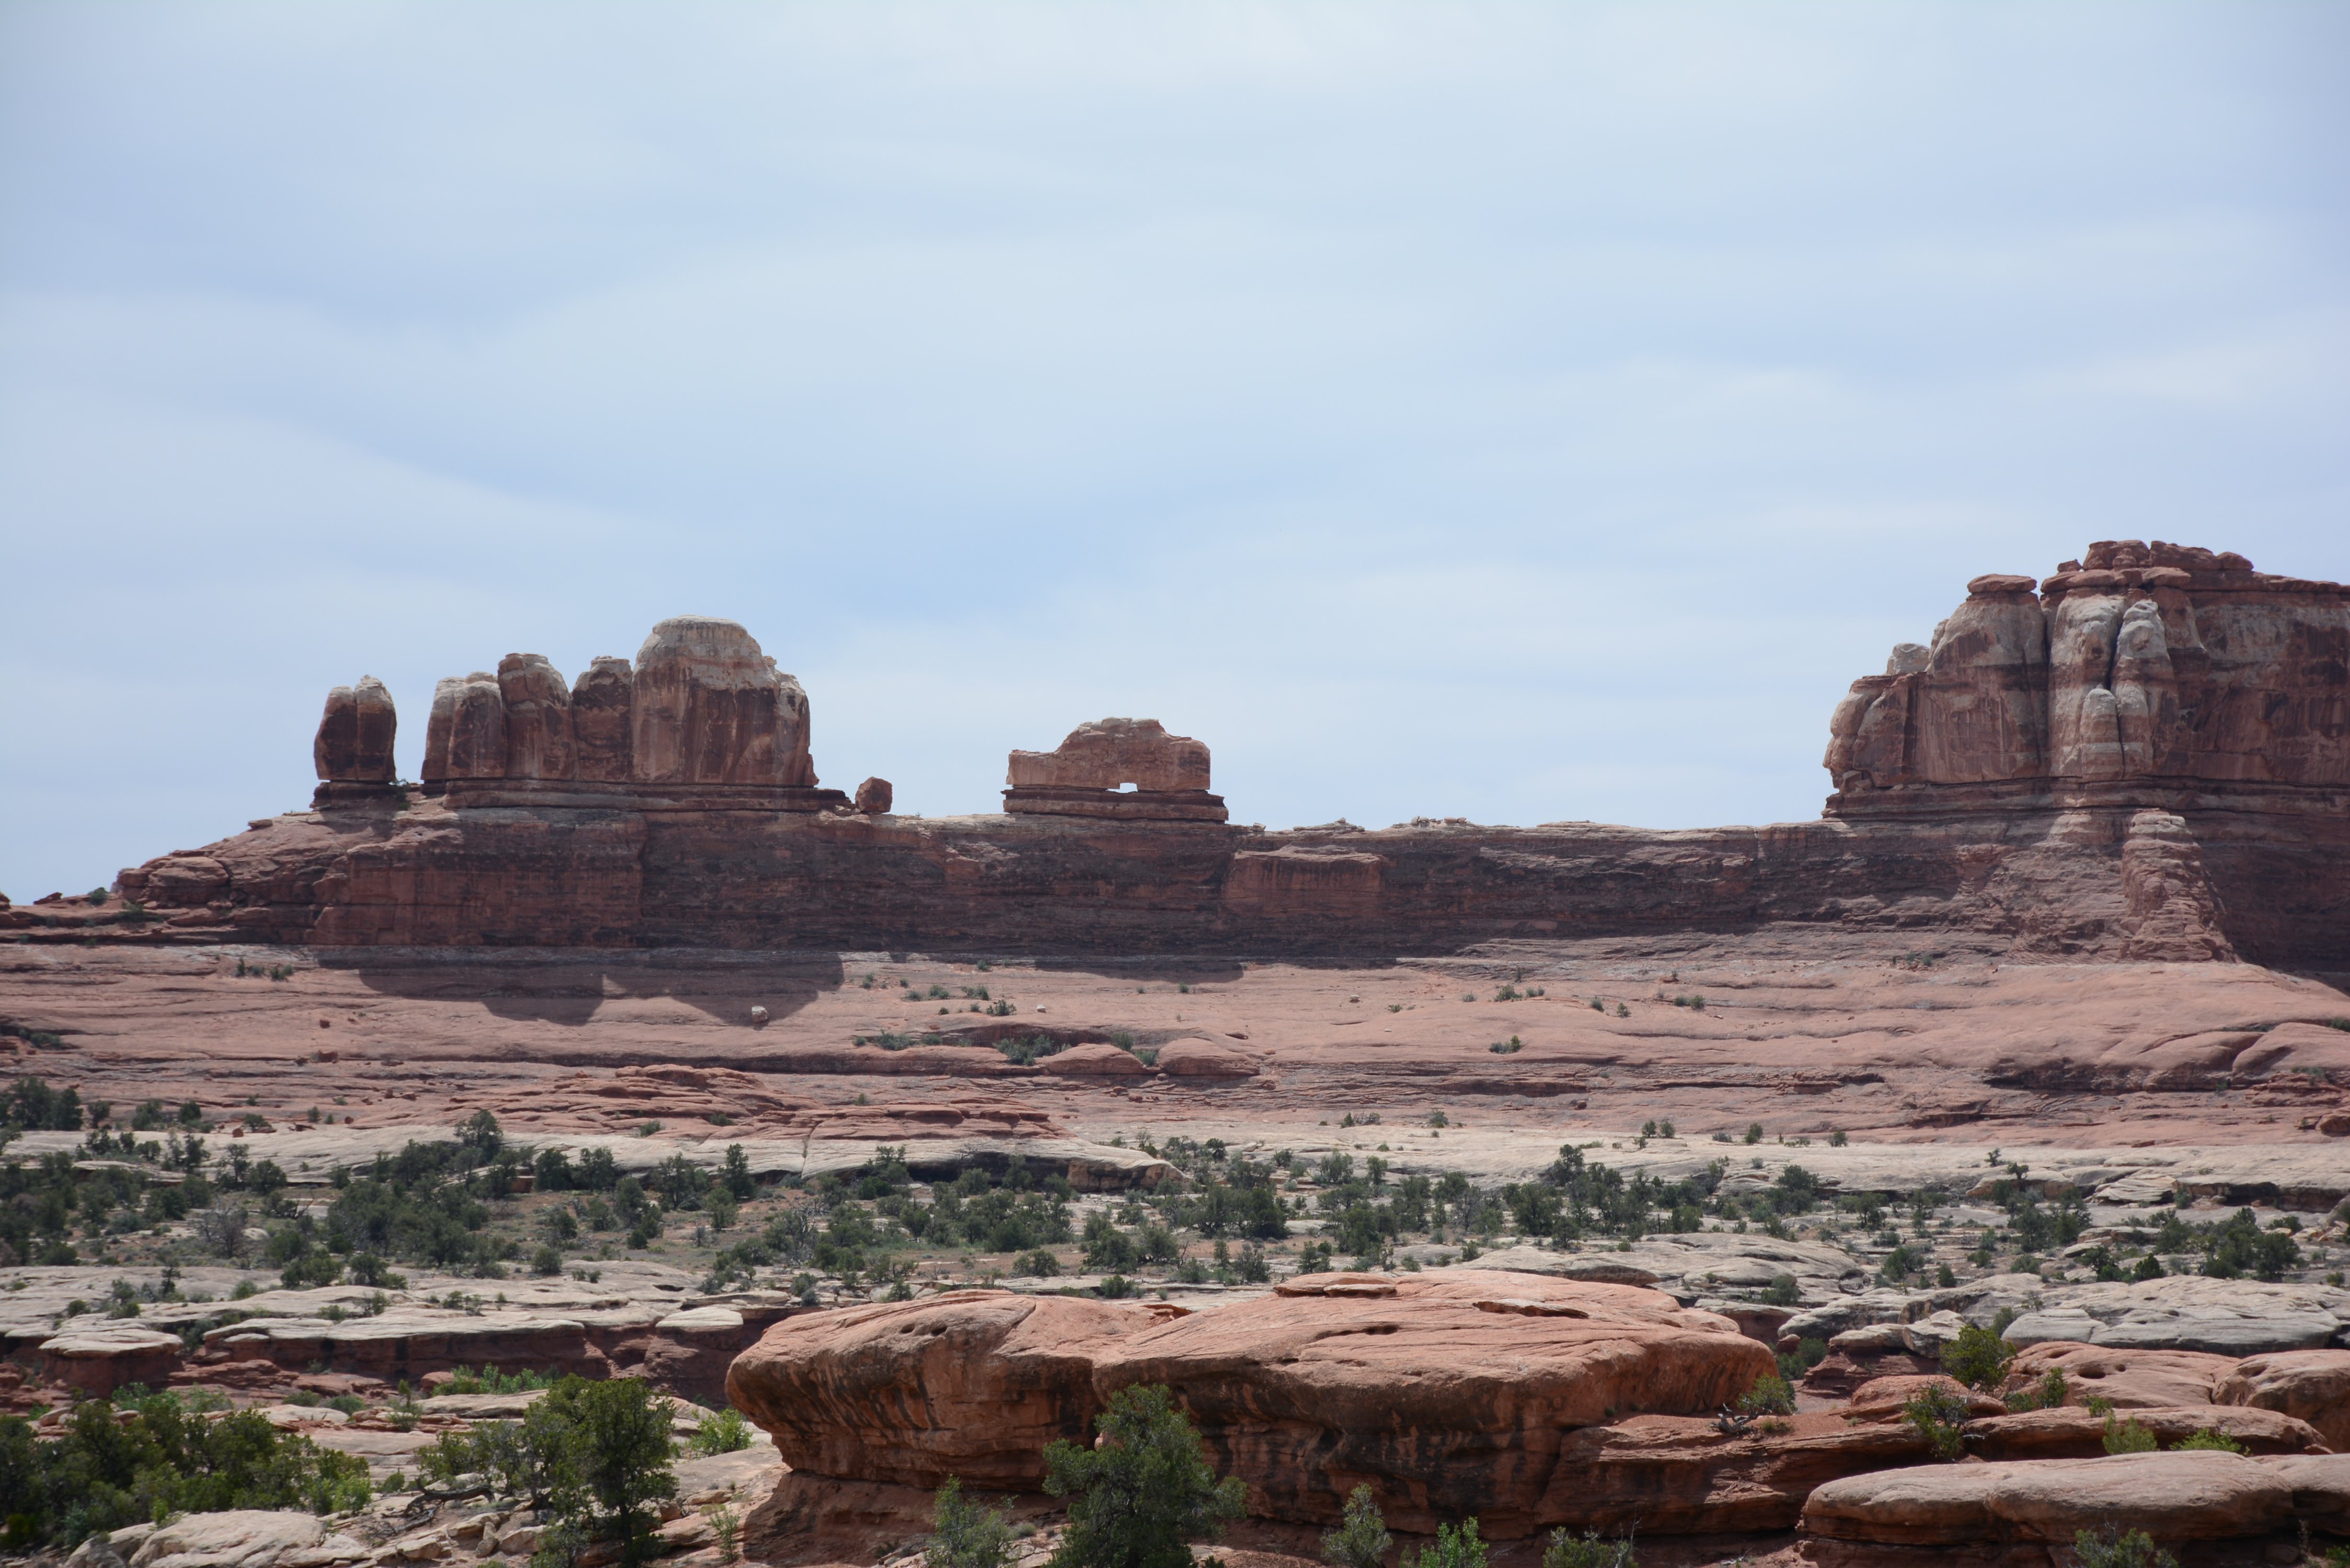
(2146, 758)
(2156, 675)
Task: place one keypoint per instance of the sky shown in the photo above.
(1524, 412)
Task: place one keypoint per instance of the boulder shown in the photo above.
(2125, 1378)
(712, 709)
(354, 744)
(245, 1538)
(1447, 1393)
(1095, 1060)
(2314, 1385)
(874, 797)
(538, 718)
(602, 700)
(1204, 1059)
(970, 1383)
(2173, 1497)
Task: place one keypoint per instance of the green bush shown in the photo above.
(1771, 1396)
(2048, 1394)
(2123, 1436)
(1782, 1291)
(963, 1534)
(1588, 1550)
(153, 1457)
(2211, 1438)
(1145, 1494)
(1936, 1415)
(1978, 1357)
(2111, 1548)
(1452, 1547)
(1361, 1540)
(724, 1432)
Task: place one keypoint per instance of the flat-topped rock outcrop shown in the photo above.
(1444, 1392)
(1127, 770)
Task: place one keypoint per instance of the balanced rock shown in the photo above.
(874, 797)
(355, 734)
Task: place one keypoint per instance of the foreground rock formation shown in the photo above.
(2147, 758)
(1448, 1394)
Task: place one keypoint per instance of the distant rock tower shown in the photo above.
(353, 749)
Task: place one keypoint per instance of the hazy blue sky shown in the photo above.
(1517, 413)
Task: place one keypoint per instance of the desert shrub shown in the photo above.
(2113, 1548)
(2048, 1394)
(1145, 1494)
(2123, 1436)
(963, 1534)
(2240, 1247)
(1808, 1352)
(1361, 1540)
(1452, 1547)
(2213, 1439)
(1978, 1357)
(1782, 1291)
(1771, 1396)
(115, 1465)
(1936, 1413)
(725, 1432)
(1588, 1549)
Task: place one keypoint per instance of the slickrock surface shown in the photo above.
(2313, 1385)
(2204, 1496)
(1957, 1058)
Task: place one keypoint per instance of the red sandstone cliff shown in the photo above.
(2147, 758)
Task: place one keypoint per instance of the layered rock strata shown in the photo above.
(2147, 758)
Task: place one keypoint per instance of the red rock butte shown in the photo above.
(2144, 756)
